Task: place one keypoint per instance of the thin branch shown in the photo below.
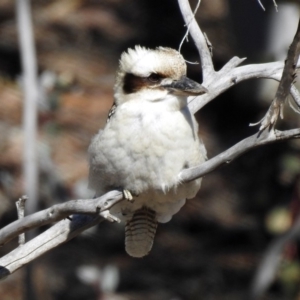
(267, 269)
(294, 91)
(261, 5)
(275, 5)
(235, 151)
(198, 37)
(263, 8)
(188, 28)
(288, 76)
(30, 88)
(226, 78)
(20, 204)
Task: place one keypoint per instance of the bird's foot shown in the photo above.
(127, 195)
(109, 217)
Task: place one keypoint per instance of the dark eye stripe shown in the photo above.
(133, 83)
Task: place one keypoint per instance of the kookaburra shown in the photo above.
(150, 136)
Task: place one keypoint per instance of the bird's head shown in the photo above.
(153, 75)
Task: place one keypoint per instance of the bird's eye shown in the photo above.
(154, 78)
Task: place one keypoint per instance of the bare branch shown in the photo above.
(30, 88)
(275, 5)
(267, 269)
(198, 37)
(51, 238)
(60, 211)
(288, 75)
(261, 5)
(294, 91)
(229, 76)
(188, 28)
(237, 150)
(57, 234)
(20, 204)
(263, 8)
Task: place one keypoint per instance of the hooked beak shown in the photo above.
(186, 87)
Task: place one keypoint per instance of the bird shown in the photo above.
(149, 138)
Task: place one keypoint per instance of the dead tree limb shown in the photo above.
(235, 151)
(58, 234)
(288, 76)
(58, 212)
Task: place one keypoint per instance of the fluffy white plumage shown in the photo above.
(148, 140)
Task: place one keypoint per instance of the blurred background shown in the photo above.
(212, 247)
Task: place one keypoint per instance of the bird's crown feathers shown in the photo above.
(141, 61)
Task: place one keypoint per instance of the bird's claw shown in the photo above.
(109, 217)
(127, 195)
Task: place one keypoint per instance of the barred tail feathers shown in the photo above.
(140, 232)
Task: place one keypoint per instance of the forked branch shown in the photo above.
(288, 76)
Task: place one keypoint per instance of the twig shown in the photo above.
(188, 27)
(270, 261)
(235, 151)
(261, 5)
(30, 88)
(20, 204)
(199, 39)
(288, 75)
(274, 2)
(275, 5)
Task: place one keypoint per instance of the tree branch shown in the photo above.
(224, 80)
(235, 151)
(199, 39)
(30, 89)
(267, 269)
(58, 234)
(20, 204)
(229, 75)
(60, 211)
(288, 75)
